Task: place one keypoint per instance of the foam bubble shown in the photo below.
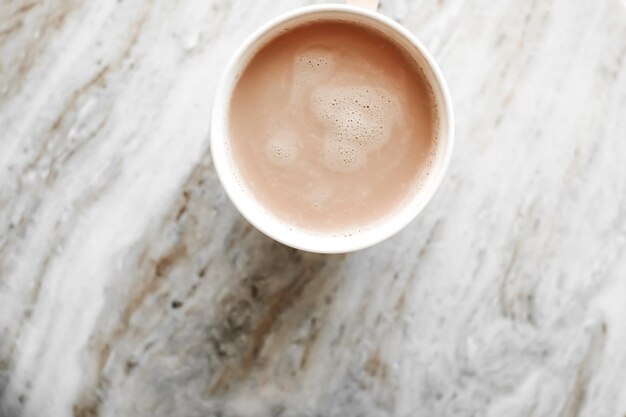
(282, 149)
(357, 121)
(340, 155)
(312, 64)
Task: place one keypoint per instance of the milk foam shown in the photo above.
(311, 65)
(282, 149)
(358, 120)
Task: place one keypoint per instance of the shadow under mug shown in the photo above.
(362, 12)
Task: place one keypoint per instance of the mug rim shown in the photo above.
(328, 243)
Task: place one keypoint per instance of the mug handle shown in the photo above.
(368, 4)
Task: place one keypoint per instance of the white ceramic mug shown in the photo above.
(362, 12)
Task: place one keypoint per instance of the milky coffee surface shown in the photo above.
(332, 127)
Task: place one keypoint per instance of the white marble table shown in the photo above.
(130, 286)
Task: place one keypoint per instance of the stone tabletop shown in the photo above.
(130, 286)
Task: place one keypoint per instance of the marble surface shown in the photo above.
(130, 286)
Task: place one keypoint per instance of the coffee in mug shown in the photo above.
(332, 126)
